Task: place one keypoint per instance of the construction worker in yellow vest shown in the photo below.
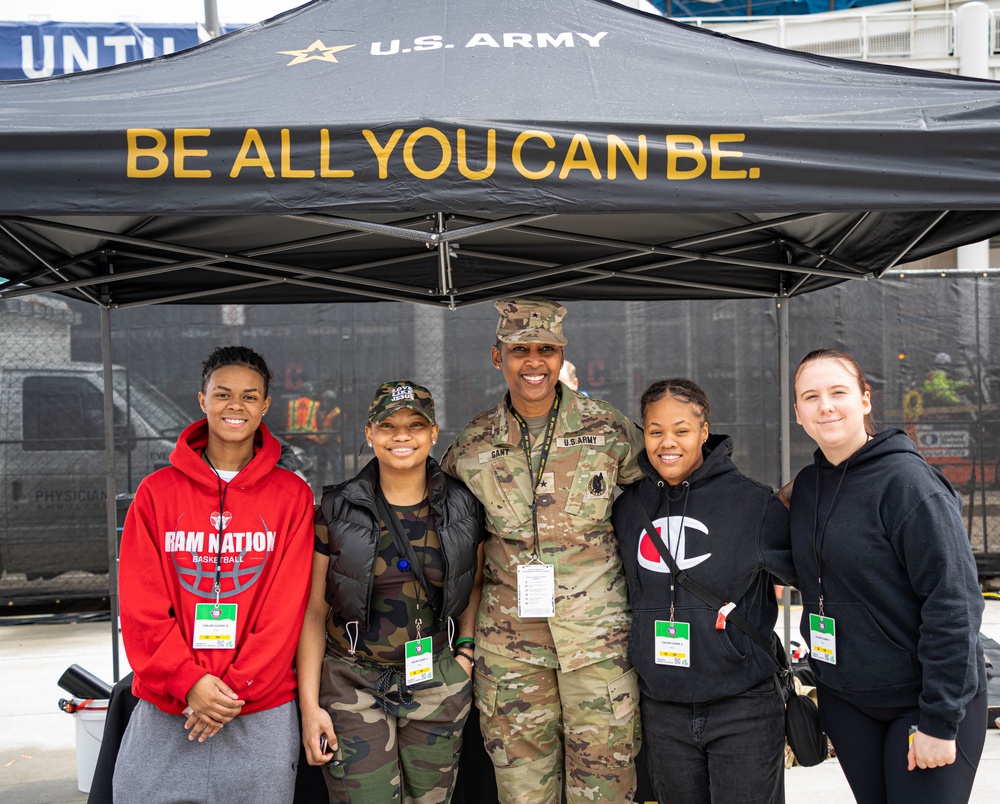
(303, 416)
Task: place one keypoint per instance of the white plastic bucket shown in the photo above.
(90, 716)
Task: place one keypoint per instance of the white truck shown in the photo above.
(52, 466)
(53, 518)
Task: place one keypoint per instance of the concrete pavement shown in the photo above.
(38, 741)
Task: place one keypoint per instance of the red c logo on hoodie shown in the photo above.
(676, 527)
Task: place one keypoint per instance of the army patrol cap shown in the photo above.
(399, 394)
(530, 321)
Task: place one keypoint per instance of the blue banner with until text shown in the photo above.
(43, 49)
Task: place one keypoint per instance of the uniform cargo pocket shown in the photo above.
(623, 729)
(491, 726)
(505, 503)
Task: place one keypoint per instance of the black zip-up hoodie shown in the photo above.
(899, 580)
(735, 535)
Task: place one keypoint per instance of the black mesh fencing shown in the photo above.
(928, 347)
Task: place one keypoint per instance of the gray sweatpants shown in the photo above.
(251, 761)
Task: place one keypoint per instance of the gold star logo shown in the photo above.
(317, 51)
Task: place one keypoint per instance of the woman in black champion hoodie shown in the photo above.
(891, 601)
(712, 713)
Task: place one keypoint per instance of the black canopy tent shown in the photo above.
(446, 152)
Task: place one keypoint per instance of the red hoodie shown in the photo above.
(168, 559)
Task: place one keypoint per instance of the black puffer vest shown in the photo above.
(349, 509)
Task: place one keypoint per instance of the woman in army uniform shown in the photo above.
(557, 697)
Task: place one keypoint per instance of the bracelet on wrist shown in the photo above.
(465, 641)
(466, 654)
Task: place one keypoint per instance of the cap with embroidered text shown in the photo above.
(399, 394)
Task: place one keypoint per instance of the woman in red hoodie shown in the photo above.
(215, 569)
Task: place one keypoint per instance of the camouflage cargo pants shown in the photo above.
(536, 718)
(397, 743)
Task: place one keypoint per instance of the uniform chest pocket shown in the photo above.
(591, 485)
(502, 495)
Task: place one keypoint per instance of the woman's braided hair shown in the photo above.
(681, 389)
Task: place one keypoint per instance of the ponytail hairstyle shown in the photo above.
(852, 366)
(235, 356)
(681, 389)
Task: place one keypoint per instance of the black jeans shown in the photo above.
(872, 743)
(716, 752)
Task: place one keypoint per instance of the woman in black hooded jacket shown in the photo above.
(712, 711)
(891, 602)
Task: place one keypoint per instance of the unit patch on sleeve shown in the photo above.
(598, 487)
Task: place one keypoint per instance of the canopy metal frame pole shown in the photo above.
(47, 266)
(444, 250)
(785, 425)
(111, 482)
(212, 26)
(346, 279)
(906, 249)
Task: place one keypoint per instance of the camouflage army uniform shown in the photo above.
(542, 684)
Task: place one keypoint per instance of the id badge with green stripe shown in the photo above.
(672, 643)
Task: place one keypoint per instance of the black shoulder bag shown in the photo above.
(802, 729)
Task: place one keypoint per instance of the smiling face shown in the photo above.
(831, 407)
(531, 371)
(402, 440)
(675, 432)
(234, 403)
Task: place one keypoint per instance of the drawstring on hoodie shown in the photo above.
(223, 487)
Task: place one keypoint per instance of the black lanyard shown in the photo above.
(402, 543)
(668, 558)
(223, 488)
(819, 536)
(550, 429)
